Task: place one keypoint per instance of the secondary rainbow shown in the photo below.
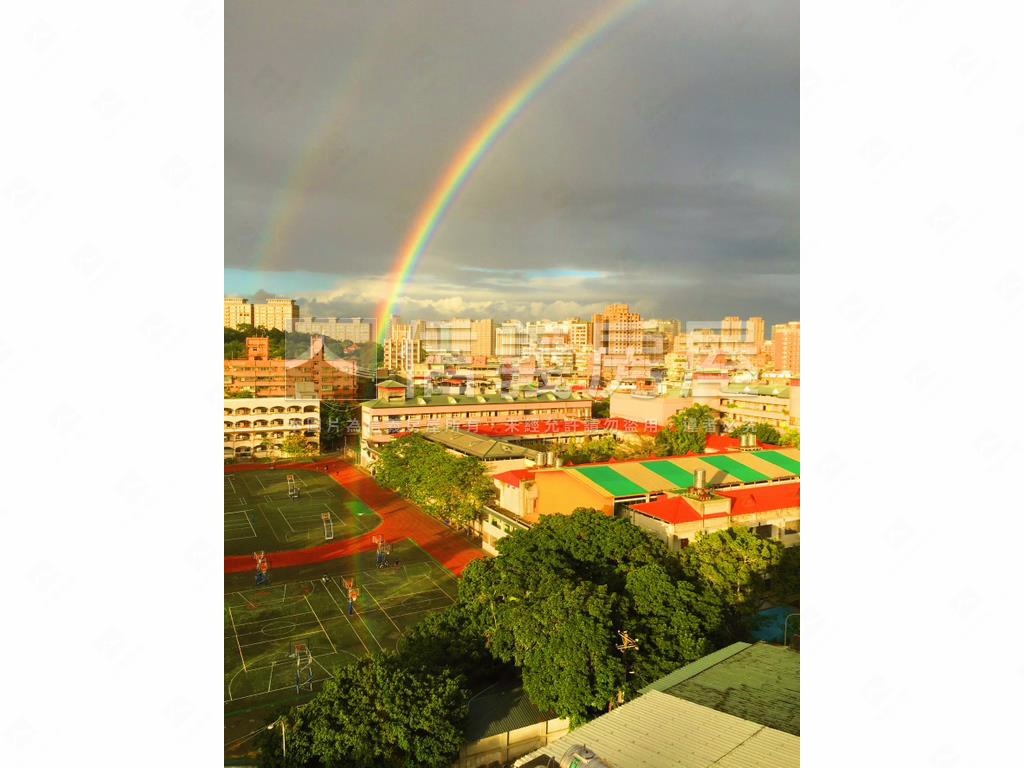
(474, 149)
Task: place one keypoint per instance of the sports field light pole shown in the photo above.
(284, 752)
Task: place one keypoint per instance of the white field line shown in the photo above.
(400, 633)
(270, 679)
(351, 625)
(232, 617)
(445, 591)
(320, 623)
(285, 518)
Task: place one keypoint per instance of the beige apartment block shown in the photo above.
(276, 313)
(237, 311)
(256, 427)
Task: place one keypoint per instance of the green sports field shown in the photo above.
(259, 515)
(308, 604)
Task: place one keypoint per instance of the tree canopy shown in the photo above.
(765, 433)
(554, 602)
(376, 712)
(737, 566)
(451, 488)
(687, 432)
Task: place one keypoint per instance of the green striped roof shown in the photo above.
(776, 458)
(671, 472)
(734, 468)
(611, 481)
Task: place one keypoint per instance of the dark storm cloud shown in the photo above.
(664, 158)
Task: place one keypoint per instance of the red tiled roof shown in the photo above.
(515, 477)
(747, 501)
(765, 498)
(669, 509)
(561, 426)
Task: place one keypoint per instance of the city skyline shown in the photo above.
(657, 165)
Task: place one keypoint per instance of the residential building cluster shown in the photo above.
(312, 376)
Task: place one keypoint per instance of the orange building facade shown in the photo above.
(314, 377)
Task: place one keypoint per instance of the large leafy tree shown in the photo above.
(765, 433)
(554, 602)
(452, 488)
(790, 438)
(377, 712)
(687, 432)
(737, 566)
(294, 444)
(593, 450)
(637, 448)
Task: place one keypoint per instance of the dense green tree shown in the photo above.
(335, 417)
(554, 602)
(294, 444)
(451, 488)
(785, 588)
(638, 448)
(377, 712)
(601, 409)
(297, 749)
(765, 433)
(591, 451)
(672, 619)
(687, 432)
(448, 640)
(790, 438)
(737, 566)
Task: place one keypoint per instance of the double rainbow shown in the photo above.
(482, 139)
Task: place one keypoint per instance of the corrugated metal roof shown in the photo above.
(502, 711)
(695, 668)
(480, 447)
(657, 730)
(760, 683)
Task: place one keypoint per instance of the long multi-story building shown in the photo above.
(786, 347)
(315, 376)
(355, 329)
(275, 313)
(393, 413)
(258, 427)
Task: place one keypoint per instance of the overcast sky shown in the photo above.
(660, 168)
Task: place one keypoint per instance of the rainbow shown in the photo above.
(476, 146)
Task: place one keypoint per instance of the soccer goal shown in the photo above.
(293, 488)
(328, 525)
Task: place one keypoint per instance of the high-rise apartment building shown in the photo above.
(402, 353)
(755, 333)
(786, 347)
(354, 329)
(448, 337)
(580, 334)
(732, 330)
(482, 341)
(617, 330)
(276, 313)
(237, 311)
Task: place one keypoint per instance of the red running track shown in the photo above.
(400, 519)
